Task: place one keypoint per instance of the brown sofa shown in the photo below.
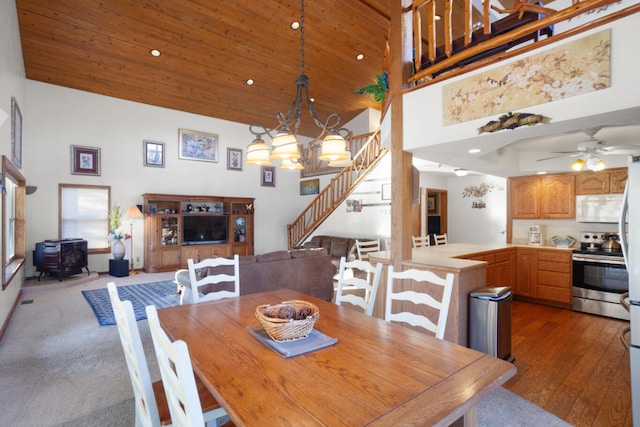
(336, 247)
(308, 271)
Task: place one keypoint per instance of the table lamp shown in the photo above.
(132, 213)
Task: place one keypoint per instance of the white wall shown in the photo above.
(375, 218)
(421, 129)
(473, 225)
(59, 117)
(11, 84)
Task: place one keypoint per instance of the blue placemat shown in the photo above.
(315, 341)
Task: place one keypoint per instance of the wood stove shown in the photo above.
(64, 257)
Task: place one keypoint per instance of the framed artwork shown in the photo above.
(85, 160)
(198, 146)
(153, 153)
(268, 176)
(386, 191)
(432, 205)
(234, 159)
(311, 186)
(16, 133)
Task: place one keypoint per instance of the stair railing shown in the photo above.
(366, 158)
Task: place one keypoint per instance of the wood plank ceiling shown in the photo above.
(209, 49)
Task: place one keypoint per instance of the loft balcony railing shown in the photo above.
(369, 153)
(485, 41)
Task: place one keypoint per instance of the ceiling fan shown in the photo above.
(589, 152)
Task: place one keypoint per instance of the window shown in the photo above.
(13, 220)
(84, 214)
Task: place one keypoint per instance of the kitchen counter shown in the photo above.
(450, 255)
(469, 275)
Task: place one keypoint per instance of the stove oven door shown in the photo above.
(597, 287)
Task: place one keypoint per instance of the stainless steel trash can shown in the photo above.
(490, 321)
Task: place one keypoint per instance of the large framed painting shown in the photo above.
(198, 146)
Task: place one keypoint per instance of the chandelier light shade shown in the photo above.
(284, 142)
(258, 153)
(284, 146)
(334, 148)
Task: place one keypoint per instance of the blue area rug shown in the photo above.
(160, 294)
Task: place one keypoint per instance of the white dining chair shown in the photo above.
(150, 400)
(440, 239)
(420, 241)
(361, 292)
(364, 247)
(422, 277)
(197, 280)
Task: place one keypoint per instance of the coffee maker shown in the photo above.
(536, 235)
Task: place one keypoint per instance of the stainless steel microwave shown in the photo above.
(599, 208)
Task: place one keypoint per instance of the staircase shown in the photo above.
(339, 189)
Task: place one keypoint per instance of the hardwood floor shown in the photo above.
(571, 364)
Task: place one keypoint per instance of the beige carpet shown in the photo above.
(58, 367)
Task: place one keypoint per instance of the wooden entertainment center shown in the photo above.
(179, 227)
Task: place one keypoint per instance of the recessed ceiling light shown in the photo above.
(155, 52)
(360, 56)
(295, 25)
(250, 82)
(474, 150)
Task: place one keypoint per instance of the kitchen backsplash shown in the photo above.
(561, 228)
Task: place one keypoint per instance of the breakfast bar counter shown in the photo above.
(470, 274)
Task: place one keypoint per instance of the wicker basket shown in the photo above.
(288, 329)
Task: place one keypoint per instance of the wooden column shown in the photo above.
(401, 166)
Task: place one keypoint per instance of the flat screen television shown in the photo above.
(203, 229)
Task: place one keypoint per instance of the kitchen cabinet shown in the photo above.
(554, 276)
(618, 180)
(558, 199)
(526, 273)
(602, 182)
(500, 267)
(524, 197)
(593, 183)
(546, 197)
(544, 275)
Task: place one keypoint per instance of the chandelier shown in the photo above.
(284, 143)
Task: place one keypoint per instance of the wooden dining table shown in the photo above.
(378, 373)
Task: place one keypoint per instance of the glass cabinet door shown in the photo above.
(240, 229)
(170, 231)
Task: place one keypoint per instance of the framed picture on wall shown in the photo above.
(16, 133)
(85, 160)
(234, 159)
(432, 205)
(198, 146)
(153, 154)
(310, 186)
(268, 176)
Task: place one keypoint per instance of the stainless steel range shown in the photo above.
(599, 275)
